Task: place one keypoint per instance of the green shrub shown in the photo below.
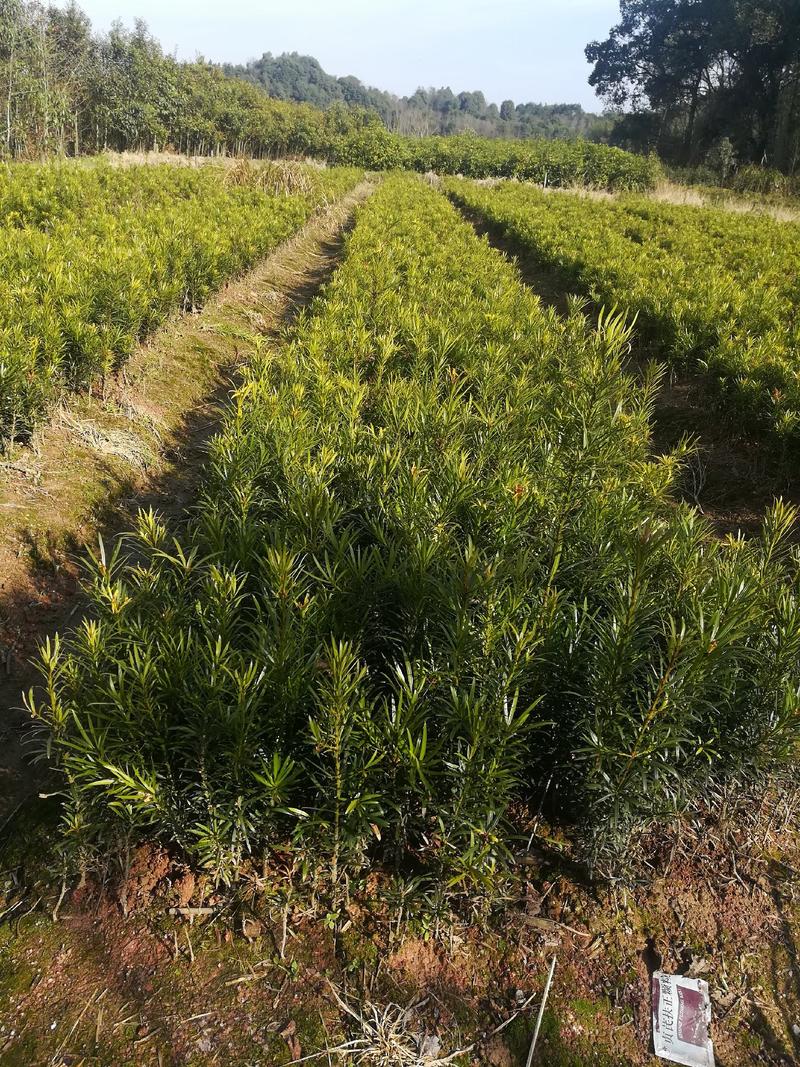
(709, 288)
(433, 570)
(555, 163)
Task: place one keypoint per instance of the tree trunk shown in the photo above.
(785, 121)
(688, 140)
(8, 99)
(46, 90)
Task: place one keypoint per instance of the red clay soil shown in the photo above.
(223, 980)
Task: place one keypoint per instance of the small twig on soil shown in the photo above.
(341, 1003)
(254, 977)
(57, 1054)
(280, 991)
(545, 924)
(326, 1052)
(8, 819)
(8, 910)
(330, 1061)
(499, 1029)
(540, 1016)
(192, 913)
(60, 900)
(285, 928)
(125, 1021)
(736, 1003)
(18, 918)
(148, 1037)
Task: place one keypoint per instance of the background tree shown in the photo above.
(426, 111)
(705, 70)
(67, 90)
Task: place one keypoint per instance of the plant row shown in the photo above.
(92, 259)
(34, 195)
(433, 579)
(712, 289)
(554, 163)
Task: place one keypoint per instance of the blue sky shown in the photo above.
(517, 49)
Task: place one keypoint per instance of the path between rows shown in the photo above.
(140, 443)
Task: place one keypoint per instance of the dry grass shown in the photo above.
(124, 444)
(276, 177)
(386, 1036)
(668, 192)
(392, 1036)
(135, 159)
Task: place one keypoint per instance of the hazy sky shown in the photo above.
(517, 49)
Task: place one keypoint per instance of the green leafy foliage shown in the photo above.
(713, 80)
(290, 76)
(433, 570)
(94, 258)
(556, 163)
(709, 288)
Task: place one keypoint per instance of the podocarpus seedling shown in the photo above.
(711, 290)
(94, 258)
(433, 569)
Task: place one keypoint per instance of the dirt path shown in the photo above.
(732, 478)
(139, 443)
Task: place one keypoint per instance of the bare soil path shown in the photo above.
(138, 442)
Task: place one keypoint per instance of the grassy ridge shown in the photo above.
(710, 288)
(93, 259)
(433, 570)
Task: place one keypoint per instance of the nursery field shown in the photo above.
(437, 677)
(710, 289)
(92, 259)
(434, 569)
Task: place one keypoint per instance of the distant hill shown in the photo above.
(299, 78)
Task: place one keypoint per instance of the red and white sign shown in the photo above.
(681, 1020)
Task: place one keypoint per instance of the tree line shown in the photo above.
(65, 89)
(705, 81)
(698, 81)
(427, 111)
